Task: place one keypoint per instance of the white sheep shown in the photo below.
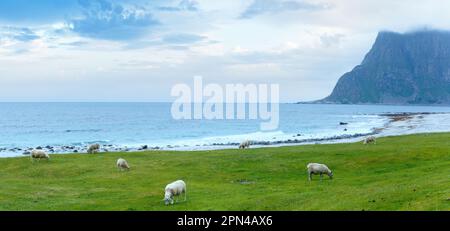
(314, 168)
(370, 139)
(93, 148)
(174, 189)
(245, 144)
(122, 164)
(39, 154)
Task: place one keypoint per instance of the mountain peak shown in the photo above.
(408, 68)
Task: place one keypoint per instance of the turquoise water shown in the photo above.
(131, 125)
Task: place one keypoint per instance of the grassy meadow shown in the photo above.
(398, 173)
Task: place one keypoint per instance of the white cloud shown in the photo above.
(301, 49)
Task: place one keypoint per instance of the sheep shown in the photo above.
(314, 168)
(122, 164)
(245, 144)
(174, 189)
(93, 148)
(370, 139)
(39, 154)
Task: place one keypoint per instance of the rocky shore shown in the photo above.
(393, 118)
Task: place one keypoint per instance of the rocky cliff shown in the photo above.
(410, 68)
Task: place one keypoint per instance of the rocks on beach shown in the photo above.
(295, 138)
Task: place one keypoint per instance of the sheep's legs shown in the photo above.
(310, 176)
(321, 176)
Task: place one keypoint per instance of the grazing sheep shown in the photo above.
(93, 148)
(174, 189)
(245, 144)
(122, 164)
(314, 168)
(370, 139)
(39, 154)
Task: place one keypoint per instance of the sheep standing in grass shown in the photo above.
(370, 139)
(314, 168)
(174, 189)
(122, 164)
(39, 154)
(93, 148)
(245, 144)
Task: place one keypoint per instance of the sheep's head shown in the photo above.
(168, 198)
(330, 174)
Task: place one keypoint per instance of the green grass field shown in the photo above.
(398, 173)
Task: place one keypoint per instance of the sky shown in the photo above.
(124, 50)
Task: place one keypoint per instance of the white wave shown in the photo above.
(424, 123)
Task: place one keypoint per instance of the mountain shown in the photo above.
(410, 68)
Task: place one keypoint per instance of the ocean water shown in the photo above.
(120, 126)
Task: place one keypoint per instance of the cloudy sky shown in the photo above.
(124, 50)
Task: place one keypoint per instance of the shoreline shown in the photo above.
(348, 141)
(397, 124)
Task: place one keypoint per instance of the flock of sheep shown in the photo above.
(172, 190)
(178, 188)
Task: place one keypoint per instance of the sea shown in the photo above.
(71, 127)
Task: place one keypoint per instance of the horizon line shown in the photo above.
(112, 102)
